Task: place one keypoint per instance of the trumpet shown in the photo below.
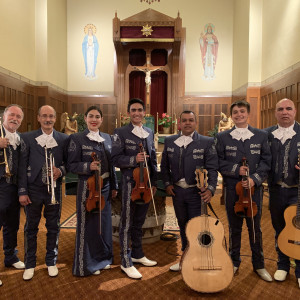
(7, 171)
(51, 184)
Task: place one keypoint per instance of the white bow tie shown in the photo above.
(283, 134)
(13, 137)
(95, 136)
(183, 140)
(45, 140)
(140, 132)
(241, 134)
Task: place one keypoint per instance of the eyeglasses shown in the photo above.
(136, 109)
(47, 116)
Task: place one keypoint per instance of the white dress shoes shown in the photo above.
(28, 274)
(235, 269)
(18, 265)
(144, 261)
(175, 268)
(52, 271)
(132, 272)
(96, 272)
(298, 282)
(264, 274)
(280, 275)
(1, 282)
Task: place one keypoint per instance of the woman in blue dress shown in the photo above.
(93, 245)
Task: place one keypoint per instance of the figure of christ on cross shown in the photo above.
(147, 70)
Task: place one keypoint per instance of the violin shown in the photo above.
(141, 193)
(245, 207)
(94, 184)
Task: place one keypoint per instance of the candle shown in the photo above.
(175, 124)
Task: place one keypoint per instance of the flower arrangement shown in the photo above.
(124, 120)
(165, 121)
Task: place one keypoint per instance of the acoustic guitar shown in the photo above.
(289, 237)
(205, 265)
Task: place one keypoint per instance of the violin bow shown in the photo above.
(250, 196)
(150, 187)
(100, 196)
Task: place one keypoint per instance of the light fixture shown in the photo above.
(149, 1)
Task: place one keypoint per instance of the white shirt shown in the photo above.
(95, 136)
(13, 137)
(184, 140)
(241, 133)
(283, 134)
(46, 140)
(140, 131)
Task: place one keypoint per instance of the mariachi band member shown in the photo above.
(9, 200)
(232, 145)
(93, 248)
(126, 155)
(283, 180)
(182, 154)
(43, 153)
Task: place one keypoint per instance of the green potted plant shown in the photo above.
(125, 120)
(166, 122)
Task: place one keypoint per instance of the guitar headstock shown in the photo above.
(201, 177)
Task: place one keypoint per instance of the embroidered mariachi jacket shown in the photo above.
(12, 160)
(125, 147)
(32, 158)
(231, 151)
(200, 152)
(291, 174)
(79, 155)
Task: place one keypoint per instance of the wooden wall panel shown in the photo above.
(13, 90)
(287, 86)
(108, 106)
(207, 109)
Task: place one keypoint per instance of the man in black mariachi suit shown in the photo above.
(33, 190)
(9, 202)
(182, 154)
(126, 155)
(283, 179)
(232, 145)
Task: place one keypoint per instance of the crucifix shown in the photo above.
(148, 70)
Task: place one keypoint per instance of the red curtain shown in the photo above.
(159, 81)
(137, 85)
(159, 88)
(159, 57)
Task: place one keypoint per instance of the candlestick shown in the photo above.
(175, 124)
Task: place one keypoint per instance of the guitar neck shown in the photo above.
(203, 208)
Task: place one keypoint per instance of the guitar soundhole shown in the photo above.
(205, 239)
(296, 222)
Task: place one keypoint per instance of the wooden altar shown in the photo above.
(149, 61)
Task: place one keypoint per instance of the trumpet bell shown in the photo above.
(53, 200)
